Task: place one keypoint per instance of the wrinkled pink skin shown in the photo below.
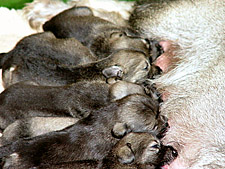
(164, 61)
(175, 165)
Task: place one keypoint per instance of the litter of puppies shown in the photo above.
(92, 77)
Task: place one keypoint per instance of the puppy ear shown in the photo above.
(125, 154)
(113, 71)
(119, 130)
(117, 35)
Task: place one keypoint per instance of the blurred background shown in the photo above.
(18, 4)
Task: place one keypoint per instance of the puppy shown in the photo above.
(43, 48)
(39, 11)
(77, 100)
(135, 150)
(129, 65)
(22, 101)
(34, 126)
(100, 36)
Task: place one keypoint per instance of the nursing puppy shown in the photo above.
(42, 48)
(39, 11)
(90, 138)
(133, 151)
(193, 87)
(77, 100)
(20, 102)
(126, 64)
(100, 36)
(139, 150)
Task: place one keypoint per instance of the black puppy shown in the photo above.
(129, 65)
(89, 138)
(134, 151)
(77, 100)
(37, 52)
(100, 36)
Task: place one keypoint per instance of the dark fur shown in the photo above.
(132, 64)
(76, 100)
(128, 153)
(100, 36)
(35, 53)
(89, 138)
(50, 71)
(22, 101)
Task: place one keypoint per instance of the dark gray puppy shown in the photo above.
(100, 36)
(134, 151)
(45, 45)
(90, 138)
(76, 100)
(129, 65)
(37, 52)
(21, 102)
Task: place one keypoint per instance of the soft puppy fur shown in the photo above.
(30, 60)
(135, 150)
(77, 100)
(89, 138)
(102, 37)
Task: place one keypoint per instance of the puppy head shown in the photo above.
(137, 148)
(134, 64)
(139, 113)
(143, 149)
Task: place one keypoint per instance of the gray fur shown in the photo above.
(82, 140)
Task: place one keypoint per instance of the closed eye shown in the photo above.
(146, 66)
(117, 34)
(155, 146)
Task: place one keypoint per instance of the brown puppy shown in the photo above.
(77, 100)
(139, 150)
(126, 64)
(38, 12)
(89, 138)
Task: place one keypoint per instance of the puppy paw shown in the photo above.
(113, 71)
(150, 89)
(155, 49)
